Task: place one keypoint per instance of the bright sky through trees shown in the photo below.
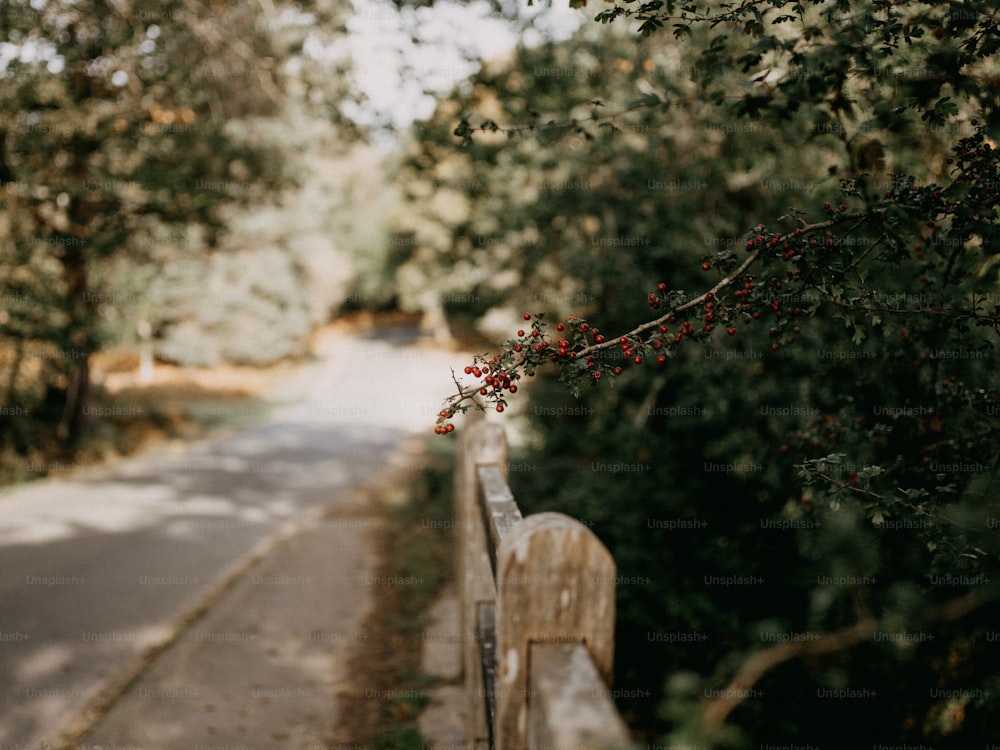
(404, 58)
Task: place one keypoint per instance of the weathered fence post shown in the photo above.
(538, 614)
(555, 585)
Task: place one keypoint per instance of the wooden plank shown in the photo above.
(475, 575)
(487, 641)
(499, 510)
(480, 443)
(571, 707)
(555, 584)
(487, 443)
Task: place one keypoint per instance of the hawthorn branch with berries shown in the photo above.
(816, 260)
(522, 356)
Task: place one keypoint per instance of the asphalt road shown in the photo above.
(98, 569)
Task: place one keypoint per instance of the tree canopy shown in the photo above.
(146, 149)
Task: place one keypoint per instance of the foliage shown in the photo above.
(797, 476)
(131, 135)
(107, 136)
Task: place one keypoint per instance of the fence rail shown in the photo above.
(538, 615)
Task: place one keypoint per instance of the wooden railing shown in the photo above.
(538, 615)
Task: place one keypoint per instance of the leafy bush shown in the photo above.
(795, 461)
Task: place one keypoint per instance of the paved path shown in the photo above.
(98, 570)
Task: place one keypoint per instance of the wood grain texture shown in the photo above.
(571, 707)
(547, 586)
(555, 584)
(481, 443)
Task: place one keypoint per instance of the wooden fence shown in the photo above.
(538, 615)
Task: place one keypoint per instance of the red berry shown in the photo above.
(842, 207)
(662, 287)
(520, 331)
(731, 331)
(526, 316)
(560, 327)
(598, 339)
(705, 266)
(468, 370)
(500, 408)
(661, 359)
(638, 360)
(618, 371)
(584, 327)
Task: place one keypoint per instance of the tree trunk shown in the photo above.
(80, 344)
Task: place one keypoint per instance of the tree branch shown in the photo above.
(761, 662)
(718, 709)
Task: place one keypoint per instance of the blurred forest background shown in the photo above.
(197, 182)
